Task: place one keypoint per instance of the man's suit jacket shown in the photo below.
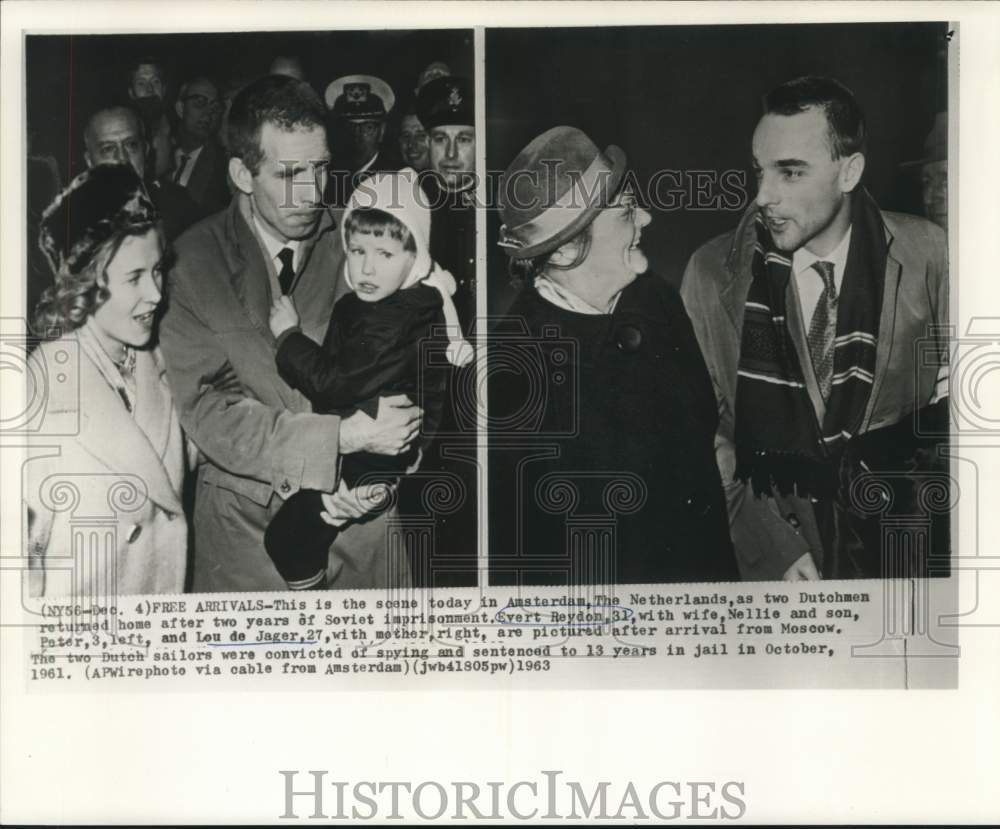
(208, 182)
(176, 207)
(117, 475)
(770, 534)
(259, 435)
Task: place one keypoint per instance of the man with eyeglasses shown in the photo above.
(116, 136)
(199, 160)
(610, 477)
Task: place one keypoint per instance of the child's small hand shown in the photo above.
(283, 316)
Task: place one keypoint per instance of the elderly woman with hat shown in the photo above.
(104, 511)
(597, 380)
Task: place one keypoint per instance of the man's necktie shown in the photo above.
(181, 167)
(287, 275)
(823, 329)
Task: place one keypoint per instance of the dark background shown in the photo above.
(688, 98)
(71, 76)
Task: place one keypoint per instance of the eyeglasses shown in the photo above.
(204, 102)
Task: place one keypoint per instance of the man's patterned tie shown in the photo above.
(823, 329)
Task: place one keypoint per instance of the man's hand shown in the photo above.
(804, 569)
(283, 316)
(391, 433)
(348, 504)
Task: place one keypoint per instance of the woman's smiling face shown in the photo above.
(134, 280)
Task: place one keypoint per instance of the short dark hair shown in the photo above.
(845, 121)
(146, 60)
(274, 99)
(379, 223)
(184, 87)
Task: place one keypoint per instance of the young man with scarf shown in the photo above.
(809, 315)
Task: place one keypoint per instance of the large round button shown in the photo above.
(628, 338)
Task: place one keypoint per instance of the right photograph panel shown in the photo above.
(718, 299)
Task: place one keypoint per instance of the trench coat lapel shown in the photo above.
(732, 297)
(886, 325)
(112, 436)
(251, 281)
(734, 294)
(248, 272)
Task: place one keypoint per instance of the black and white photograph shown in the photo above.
(574, 412)
(666, 403)
(229, 234)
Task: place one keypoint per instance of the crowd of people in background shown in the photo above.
(175, 136)
(206, 217)
(249, 272)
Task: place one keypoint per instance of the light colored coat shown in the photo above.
(259, 437)
(770, 534)
(102, 486)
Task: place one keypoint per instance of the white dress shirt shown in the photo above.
(192, 159)
(274, 245)
(808, 281)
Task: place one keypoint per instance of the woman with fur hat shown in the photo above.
(104, 512)
(400, 299)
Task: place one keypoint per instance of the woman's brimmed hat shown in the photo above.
(99, 204)
(554, 189)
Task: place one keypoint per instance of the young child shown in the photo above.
(371, 350)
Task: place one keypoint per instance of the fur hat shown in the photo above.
(400, 196)
(99, 204)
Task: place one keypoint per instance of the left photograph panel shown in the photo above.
(250, 284)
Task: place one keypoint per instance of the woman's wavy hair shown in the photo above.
(81, 231)
(523, 271)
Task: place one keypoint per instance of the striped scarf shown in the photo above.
(779, 440)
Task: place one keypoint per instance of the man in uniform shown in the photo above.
(446, 109)
(359, 106)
